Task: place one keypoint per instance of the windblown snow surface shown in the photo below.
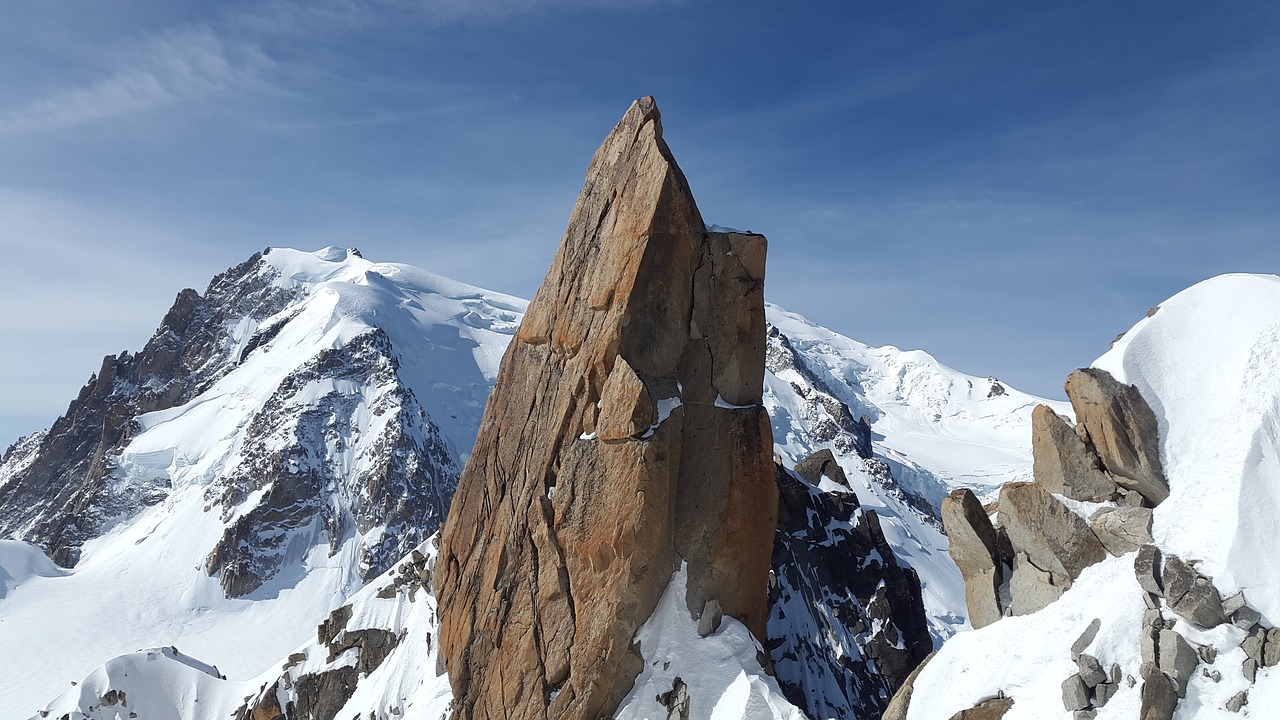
(141, 585)
(1208, 363)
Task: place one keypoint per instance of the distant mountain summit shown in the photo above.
(268, 452)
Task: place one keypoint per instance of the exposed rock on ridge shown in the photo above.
(62, 496)
(572, 514)
(1112, 457)
(847, 622)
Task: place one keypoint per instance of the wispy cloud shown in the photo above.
(173, 67)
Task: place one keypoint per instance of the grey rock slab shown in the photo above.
(1053, 537)
(1104, 692)
(1146, 565)
(1091, 671)
(1159, 697)
(1086, 638)
(1245, 618)
(1030, 587)
(709, 621)
(1253, 643)
(1075, 693)
(1271, 650)
(1123, 529)
(1238, 701)
(1191, 594)
(1149, 644)
(1178, 659)
(1231, 604)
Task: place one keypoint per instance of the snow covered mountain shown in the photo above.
(296, 431)
(267, 454)
(1183, 625)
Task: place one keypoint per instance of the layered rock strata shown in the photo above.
(624, 439)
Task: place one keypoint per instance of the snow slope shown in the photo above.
(143, 582)
(1208, 363)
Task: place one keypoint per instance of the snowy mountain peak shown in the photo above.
(266, 453)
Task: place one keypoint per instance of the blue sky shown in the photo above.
(1005, 185)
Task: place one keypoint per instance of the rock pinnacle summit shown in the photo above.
(625, 441)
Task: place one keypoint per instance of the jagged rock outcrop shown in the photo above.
(340, 446)
(819, 465)
(1062, 462)
(829, 419)
(847, 623)
(1051, 542)
(62, 496)
(1122, 429)
(572, 514)
(976, 551)
(1111, 457)
(401, 478)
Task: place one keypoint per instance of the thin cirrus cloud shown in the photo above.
(171, 67)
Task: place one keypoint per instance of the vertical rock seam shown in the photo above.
(625, 436)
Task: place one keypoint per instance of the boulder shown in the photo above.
(1191, 594)
(1122, 429)
(624, 439)
(992, 709)
(1075, 693)
(1063, 463)
(974, 549)
(1091, 671)
(1147, 566)
(1158, 697)
(1123, 529)
(1031, 588)
(819, 465)
(1054, 538)
(1177, 659)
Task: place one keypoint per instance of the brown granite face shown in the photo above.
(625, 437)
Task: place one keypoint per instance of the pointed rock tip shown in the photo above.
(642, 110)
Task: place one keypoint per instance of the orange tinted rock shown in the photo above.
(625, 435)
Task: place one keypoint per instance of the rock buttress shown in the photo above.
(625, 436)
